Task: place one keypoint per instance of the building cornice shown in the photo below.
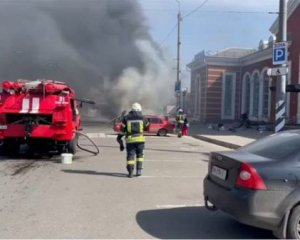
(256, 57)
(252, 58)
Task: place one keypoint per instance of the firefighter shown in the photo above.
(180, 120)
(133, 126)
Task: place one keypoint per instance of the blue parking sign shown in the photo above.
(280, 53)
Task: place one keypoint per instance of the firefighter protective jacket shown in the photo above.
(180, 118)
(133, 126)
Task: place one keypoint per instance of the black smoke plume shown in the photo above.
(100, 47)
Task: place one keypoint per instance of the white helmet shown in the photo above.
(136, 107)
(180, 110)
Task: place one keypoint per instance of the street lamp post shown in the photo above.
(178, 80)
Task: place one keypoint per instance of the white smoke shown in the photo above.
(153, 89)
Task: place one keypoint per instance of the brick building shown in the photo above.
(233, 81)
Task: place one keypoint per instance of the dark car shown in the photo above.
(158, 124)
(259, 184)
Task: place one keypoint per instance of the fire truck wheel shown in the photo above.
(9, 148)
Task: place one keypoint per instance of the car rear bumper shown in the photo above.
(252, 207)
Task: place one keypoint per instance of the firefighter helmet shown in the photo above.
(136, 107)
(180, 110)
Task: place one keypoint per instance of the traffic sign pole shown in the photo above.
(280, 56)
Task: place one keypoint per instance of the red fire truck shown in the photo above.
(41, 114)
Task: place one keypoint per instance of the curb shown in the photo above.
(217, 142)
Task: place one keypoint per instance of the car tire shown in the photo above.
(293, 227)
(162, 132)
(9, 148)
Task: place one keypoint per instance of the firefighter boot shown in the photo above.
(130, 171)
(139, 169)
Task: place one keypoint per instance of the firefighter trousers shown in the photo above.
(135, 150)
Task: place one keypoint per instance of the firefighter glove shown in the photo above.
(122, 147)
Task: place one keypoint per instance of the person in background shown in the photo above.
(185, 127)
(179, 119)
(133, 126)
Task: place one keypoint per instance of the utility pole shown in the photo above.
(178, 80)
(281, 80)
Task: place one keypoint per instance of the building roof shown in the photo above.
(233, 52)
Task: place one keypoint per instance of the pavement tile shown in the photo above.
(226, 137)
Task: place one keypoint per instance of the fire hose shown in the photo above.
(85, 149)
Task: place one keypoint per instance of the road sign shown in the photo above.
(277, 71)
(177, 86)
(280, 53)
(289, 88)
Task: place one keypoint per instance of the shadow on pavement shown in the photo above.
(195, 223)
(95, 173)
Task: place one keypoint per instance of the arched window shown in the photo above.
(255, 95)
(246, 94)
(265, 95)
(228, 95)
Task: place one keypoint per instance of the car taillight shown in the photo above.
(248, 177)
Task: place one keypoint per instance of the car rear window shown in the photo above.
(276, 146)
(155, 120)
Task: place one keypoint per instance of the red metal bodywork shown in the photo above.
(157, 124)
(38, 109)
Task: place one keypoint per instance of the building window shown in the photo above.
(255, 96)
(246, 94)
(198, 95)
(228, 93)
(266, 96)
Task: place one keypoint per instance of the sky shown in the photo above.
(209, 25)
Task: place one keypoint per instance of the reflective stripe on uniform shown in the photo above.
(135, 126)
(129, 127)
(140, 159)
(180, 118)
(130, 162)
(135, 138)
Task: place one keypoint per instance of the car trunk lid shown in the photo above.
(224, 167)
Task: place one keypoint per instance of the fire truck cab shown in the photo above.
(41, 114)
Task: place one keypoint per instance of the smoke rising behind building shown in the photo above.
(100, 47)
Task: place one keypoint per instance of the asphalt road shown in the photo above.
(93, 198)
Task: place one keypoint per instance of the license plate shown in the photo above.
(219, 172)
(3, 126)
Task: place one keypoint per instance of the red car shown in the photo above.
(158, 124)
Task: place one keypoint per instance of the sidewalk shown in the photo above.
(226, 138)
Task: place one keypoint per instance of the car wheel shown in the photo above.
(162, 132)
(293, 228)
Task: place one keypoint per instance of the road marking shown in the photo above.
(168, 206)
(143, 176)
(96, 135)
(111, 135)
(164, 160)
